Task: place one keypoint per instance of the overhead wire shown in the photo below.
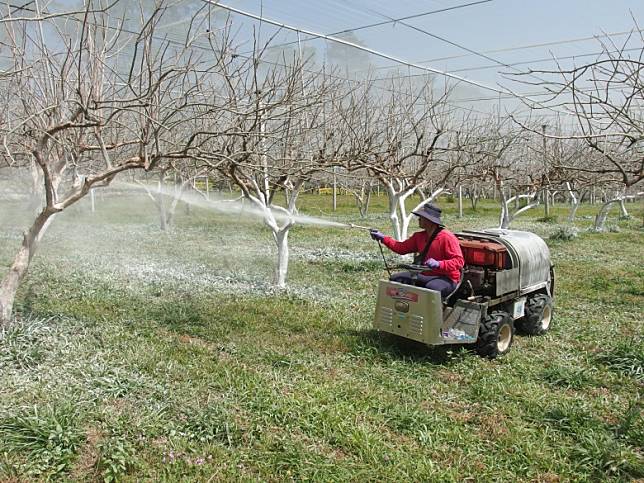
(386, 22)
(531, 73)
(508, 95)
(377, 53)
(524, 47)
(268, 62)
(447, 41)
(546, 44)
(261, 18)
(525, 62)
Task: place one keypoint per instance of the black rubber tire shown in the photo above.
(496, 334)
(538, 315)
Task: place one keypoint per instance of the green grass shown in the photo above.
(141, 355)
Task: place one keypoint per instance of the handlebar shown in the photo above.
(411, 267)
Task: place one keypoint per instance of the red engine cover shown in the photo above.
(484, 253)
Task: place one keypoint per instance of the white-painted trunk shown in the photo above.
(546, 204)
(393, 213)
(573, 211)
(507, 216)
(281, 269)
(279, 232)
(405, 218)
(602, 215)
(574, 203)
(504, 220)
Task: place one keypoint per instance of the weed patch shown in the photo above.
(45, 439)
(116, 457)
(571, 377)
(209, 424)
(626, 357)
(564, 233)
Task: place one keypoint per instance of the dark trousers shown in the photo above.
(443, 285)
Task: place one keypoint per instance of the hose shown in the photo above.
(384, 259)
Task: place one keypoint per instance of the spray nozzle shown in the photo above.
(352, 225)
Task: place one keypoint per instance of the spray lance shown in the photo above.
(373, 230)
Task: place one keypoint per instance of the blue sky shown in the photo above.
(511, 32)
(484, 28)
(496, 24)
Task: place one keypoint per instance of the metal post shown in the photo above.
(460, 201)
(335, 188)
(546, 189)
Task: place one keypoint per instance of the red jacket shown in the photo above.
(445, 249)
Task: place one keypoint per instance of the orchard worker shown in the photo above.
(435, 246)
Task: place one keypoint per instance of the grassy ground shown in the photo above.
(142, 355)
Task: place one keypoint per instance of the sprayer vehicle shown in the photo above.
(507, 281)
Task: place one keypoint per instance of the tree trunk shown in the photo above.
(504, 218)
(574, 201)
(393, 212)
(406, 218)
(11, 281)
(507, 216)
(281, 269)
(362, 198)
(573, 211)
(546, 206)
(163, 213)
(474, 196)
(365, 207)
(600, 219)
(504, 222)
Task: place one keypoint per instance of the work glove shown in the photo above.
(431, 263)
(377, 235)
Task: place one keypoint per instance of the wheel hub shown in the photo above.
(547, 316)
(504, 338)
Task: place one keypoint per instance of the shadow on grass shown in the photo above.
(374, 345)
